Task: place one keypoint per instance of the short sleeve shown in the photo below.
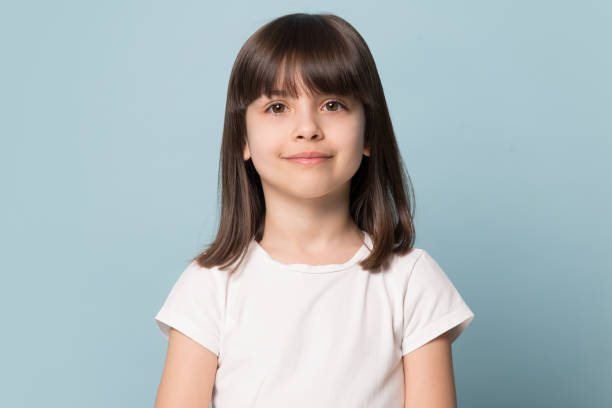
(432, 305)
(195, 306)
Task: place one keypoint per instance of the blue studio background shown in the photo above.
(111, 125)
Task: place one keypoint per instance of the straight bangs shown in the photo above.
(306, 54)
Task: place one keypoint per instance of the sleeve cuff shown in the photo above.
(166, 319)
(457, 320)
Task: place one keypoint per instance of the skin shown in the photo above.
(428, 375)
(307, 221)
(189, 374)
(307, 207)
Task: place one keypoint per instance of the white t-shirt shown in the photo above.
(298, 335)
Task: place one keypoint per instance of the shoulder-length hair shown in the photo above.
(329, 56)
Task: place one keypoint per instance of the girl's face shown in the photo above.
(282, 126)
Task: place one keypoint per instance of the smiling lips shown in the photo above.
(309, 157)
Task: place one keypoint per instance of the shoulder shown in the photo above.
(194, 277)
(416, 259)
(412, 257)
(417, 267)
(197, 270)
(403, 265)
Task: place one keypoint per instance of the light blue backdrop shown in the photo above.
(111, 123)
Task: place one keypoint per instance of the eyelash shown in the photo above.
(326, 103)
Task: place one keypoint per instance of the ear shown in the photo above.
(366, 151)
(246, 153)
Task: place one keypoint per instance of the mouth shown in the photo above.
(308, 160)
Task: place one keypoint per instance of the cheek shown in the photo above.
(265, 153)
(263, 146)
(350, 136)
(262, 139)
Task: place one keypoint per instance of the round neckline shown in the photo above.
(307, 268)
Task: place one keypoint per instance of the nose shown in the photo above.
(307, 126)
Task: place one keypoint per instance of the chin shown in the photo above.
(316, 191)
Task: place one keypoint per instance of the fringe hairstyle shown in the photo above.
(330, 56)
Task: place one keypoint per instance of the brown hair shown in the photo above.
(330, 56)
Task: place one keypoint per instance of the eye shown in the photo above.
(333, 106)
(273, 106)
(335, 103)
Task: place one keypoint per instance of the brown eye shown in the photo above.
(336, 104)
(274, 107)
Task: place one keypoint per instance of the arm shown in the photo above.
(189, 374)
(428, 375)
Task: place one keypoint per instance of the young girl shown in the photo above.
(311, 294)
